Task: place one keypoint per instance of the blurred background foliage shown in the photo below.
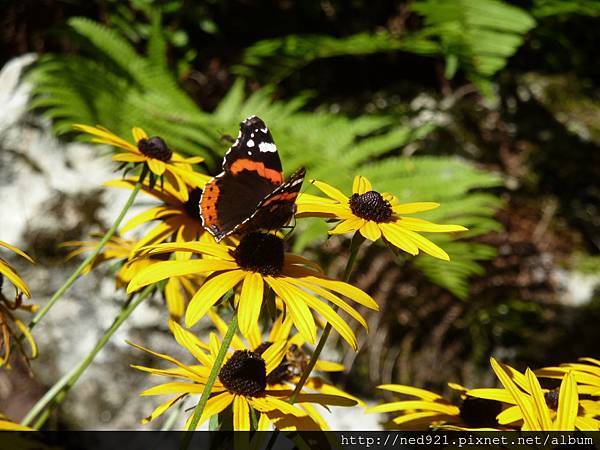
(489, 107)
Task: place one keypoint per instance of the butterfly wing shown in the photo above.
(278, 207)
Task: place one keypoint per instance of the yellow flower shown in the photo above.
(177, 291)
(8, 425)
(242, 383)
(376, 215)
(432, 410)
(536, 408)
(152, 151)
(7, 306)
(179, 216)
(257, 260)
(287, 374)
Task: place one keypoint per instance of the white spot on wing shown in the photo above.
(249, 153)
(251, 134)
(264, 130)
(250, 143)
(267, 147)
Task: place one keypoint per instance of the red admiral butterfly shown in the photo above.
(249, 194)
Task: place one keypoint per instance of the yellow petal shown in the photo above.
(17, 251)
(416, 207)
(211, 249)
(14, 278)
(165, 269)
(147, 216)
(568, 403)
(499, 395)
(160, 409)
(328, 314)
(175, 301)
(413, 405)
(190, 371)
(330, 191)
(539, 402)
(264, 423)
(428, 417)
(274, 355)
(104, 136)
(346, 289)
(241, 414)
(215, 405)
(587, 424)
(409, 390)
(309, 198)
(426, 245)
(332, 298)
(250, 302)
(29, 337)
(414, 224)
(138, 134)
(156, 166)
(361, 185)
(300, 313)
(329, 366)
(209, 293)
(269, 403)
(175, 387)
(326, 399)
(128, 157)
(510, 415)
(395, 236)
(348, 225)
(323, 210)
(370, 230)
(520, 397)
(190, 342)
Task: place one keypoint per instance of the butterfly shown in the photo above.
(250, 193)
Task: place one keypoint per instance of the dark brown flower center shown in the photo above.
(192, 206)
(260, 252)
(480, 412)
(245, 373)
(155, 147)
(371, 206)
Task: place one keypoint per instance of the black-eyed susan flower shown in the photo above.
(376, 215)
(241, 383)
(177, 290)
(532, 408)
(258, 260)
(178, 216)
(152, 151)
(287, 374)
(9, 322)
(430, 410)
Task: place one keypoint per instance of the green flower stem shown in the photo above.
(213, 375)
(58, 294)
(357, 240)
(61, 387)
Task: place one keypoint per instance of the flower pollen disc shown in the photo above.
(260, 252)
(156, 148)
(245, 373)
(371, 206)
(480, 412)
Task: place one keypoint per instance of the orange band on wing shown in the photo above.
(272, 175)
(208, 204)
(281, 198)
